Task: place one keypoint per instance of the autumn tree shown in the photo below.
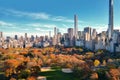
(96, 63)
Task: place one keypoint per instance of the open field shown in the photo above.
(57, 74)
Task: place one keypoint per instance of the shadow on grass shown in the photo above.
(58, 75)
(2, 77)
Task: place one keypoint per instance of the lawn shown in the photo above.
(57, 74)
(2, 77)
(53, 74)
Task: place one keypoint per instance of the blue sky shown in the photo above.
(38, 17)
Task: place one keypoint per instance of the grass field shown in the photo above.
(53, 74)
(57, 74)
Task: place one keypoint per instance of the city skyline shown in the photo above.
(59, 39)
(17, 18)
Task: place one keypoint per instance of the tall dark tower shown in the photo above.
(110, 26)
(75, 26)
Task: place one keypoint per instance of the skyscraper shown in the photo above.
(49, 34)
(70, 35)
(110, 25)
(16, 37)
(88, 30)
(94, 34)
(80, 34)
(75, 26)
(55, 31)
(25, 35)
(55, 36)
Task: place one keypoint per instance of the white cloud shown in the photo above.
(62, 19)
(117, 27)
(41, 25)
(49, 25)
(32, 15)
(34, 24)
(38, 29)
(63, 30)
(25, 29)
(59, 18)
(2, 23)
(41, 30)
(39, 15)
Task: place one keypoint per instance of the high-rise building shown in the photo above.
(81, 34)
(70, 33)
(32, 38)
(119, 38)
(46, 38)
(49, 34)
(41, 39)
(55, 31)
(75, 26)
(59, 38)
(87, 37)
(55, 36)
(66, 39)
(94, 34)
(25, 35)
(66, 36)
(16, 37)
(1, 34)
(110, 25)
(88, 30)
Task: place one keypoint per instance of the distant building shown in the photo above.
(16, 37)
(70, 35)
(94, 34)
(46, 38)
(55, 31)
(66, 36)
(75, 26)
(89, 45)
(87, 37)
(119, 38)
(26, 36)
(81, 35)
(54, 41)
(32, 38)
(79, 43)
(88, 30)
(59, 36)
(66, 39)
(100, 44)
